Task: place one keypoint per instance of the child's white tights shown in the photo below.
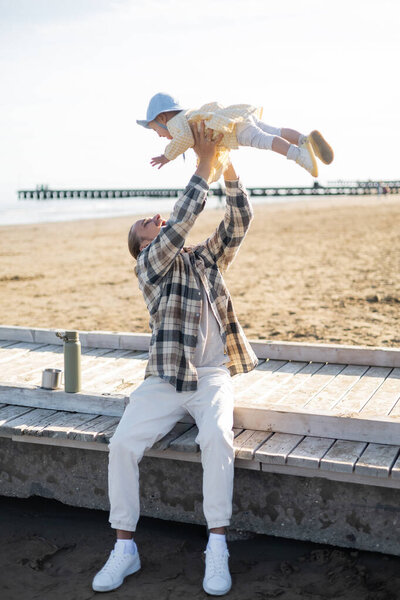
(256, 134)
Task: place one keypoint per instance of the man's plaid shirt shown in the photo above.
(171, 292)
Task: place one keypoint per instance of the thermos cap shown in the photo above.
(72, 336)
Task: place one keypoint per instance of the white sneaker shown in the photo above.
(307, 159)
(118, 566)
(217, 579)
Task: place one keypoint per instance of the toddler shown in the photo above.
(239, 124)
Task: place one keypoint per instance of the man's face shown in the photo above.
(161, 132)
(149, 228)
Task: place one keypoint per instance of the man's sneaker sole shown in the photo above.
(321, 147)
(212, 592)
(108, 588)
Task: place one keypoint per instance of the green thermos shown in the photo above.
(72, 361)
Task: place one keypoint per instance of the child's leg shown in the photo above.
(320, 146)
(290, 135)
(249, 134)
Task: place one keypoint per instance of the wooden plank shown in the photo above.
(377, 460)
(298, 421)
(312, 386)
(384, 399)
(329, 353)
(109, 431)
(186, 442)
(29, 420)
(59, 400)
(36, 427)
(237, 431)
(29, 367)
(10, 412)
(92, 431)
(342, 456)
(277, 448)
(100, 339)
(309, 452)
(300, 351)
(122, 369)
(361, 392)
(395, 412)
(6, 343)
(245, 448)
(246, 380)
(262, 389)
(279, 394)
(63, 423)
(19, 334)
(395, 472)
(135, 341)
(336, 388)
(9, 355)
(174, 434)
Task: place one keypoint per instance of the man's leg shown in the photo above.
(212, 408)
(153, 410)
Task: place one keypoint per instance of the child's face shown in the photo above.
(161, 132)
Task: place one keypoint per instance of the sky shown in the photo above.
(75, 75)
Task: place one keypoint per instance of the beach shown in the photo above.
(318, 270)
(51, 552)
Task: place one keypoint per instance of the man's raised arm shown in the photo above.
(221, 247)
(155, 259)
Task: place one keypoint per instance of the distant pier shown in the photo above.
(339, 189)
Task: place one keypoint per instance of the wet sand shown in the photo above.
(318, 270)
(50, 551)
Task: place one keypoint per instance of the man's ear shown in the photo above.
(144, 244)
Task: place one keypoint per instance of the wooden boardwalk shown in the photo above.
(336, 420)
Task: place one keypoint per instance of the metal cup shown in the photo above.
(51, 379)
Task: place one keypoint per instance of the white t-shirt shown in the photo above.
(210, 351)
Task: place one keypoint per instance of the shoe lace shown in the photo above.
(113, 563)
(216, 562)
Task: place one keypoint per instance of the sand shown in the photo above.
(318, 270)
(51, 552)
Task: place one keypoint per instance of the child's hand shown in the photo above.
(159, 160)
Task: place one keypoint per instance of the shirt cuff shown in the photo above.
(235, 188)
(232, 183)
(196, 180)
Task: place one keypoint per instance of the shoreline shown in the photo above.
(166, 204)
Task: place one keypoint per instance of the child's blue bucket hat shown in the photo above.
(158, 104)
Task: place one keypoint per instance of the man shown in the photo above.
(196, 346)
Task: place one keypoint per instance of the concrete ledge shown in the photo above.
(294, 507)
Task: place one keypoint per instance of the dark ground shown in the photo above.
(51, 551)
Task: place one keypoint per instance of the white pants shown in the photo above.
(154, 408)
(256, 134)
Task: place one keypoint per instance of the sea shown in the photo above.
(23, 212)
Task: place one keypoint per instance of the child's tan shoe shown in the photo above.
(321, 147)
(307, 160)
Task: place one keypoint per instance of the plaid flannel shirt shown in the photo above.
(171, 292)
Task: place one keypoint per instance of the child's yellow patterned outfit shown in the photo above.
(216, 117)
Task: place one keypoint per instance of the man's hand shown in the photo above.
(205, 148)
(159, 160)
